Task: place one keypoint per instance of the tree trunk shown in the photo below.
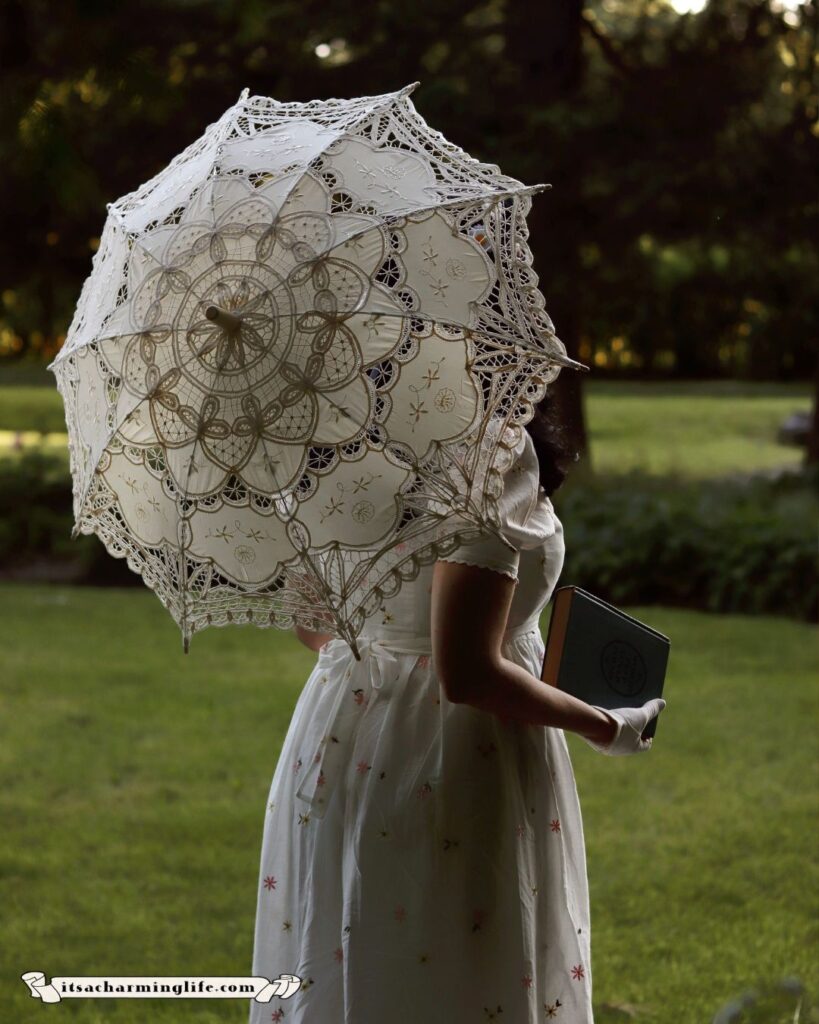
(567, 390)
(545, 41)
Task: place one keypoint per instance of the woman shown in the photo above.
(423, 856)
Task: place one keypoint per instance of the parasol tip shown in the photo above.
(408, 89)
(569, 363)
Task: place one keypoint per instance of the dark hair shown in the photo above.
(553, 446)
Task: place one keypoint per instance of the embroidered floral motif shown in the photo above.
(578, 972)
(555, 825)
(552, 1008)
(270, 882)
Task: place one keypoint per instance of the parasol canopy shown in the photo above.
(301, 362)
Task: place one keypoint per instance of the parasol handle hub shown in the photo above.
(227, 321)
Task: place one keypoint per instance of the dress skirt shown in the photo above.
(422, 862)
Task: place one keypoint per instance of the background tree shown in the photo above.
(678, 237)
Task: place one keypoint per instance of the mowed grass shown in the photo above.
(135, 779)
(696, 429)
(692, 428)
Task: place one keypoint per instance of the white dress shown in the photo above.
(423, 862)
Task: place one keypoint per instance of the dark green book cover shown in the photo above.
(602, 656)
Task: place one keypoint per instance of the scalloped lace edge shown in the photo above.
(478, 565)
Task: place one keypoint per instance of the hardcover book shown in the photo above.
(599, 654)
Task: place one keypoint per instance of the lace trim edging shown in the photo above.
(478, 565)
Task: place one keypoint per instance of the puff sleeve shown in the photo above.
(526, 516)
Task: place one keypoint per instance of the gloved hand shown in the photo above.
(631, 723)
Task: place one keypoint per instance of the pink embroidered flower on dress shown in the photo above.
(423, 661)
(321, 779)
(526, 981)
(339, 954)
(277, 1015)
(424, 790)
(520, 830)
(578, 972)
(555, 825)
(296, 766)
(270, 882)
(363, 767)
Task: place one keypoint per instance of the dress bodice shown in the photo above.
(533, 557)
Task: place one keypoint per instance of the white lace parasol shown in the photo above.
(303, 346)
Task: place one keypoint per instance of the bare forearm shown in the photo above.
(310, 639)
(510, 691)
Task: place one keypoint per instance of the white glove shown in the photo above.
(631, 723)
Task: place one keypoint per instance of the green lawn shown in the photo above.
(699, 429)
(134, 782)
(696, 429)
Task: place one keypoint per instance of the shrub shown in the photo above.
(724, 545)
